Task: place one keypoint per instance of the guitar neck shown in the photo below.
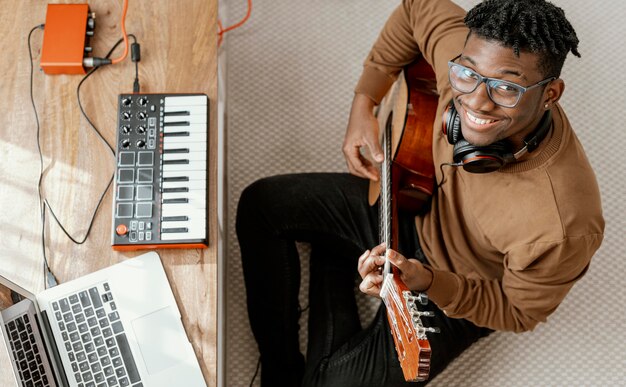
(386, 196)
(404, 318)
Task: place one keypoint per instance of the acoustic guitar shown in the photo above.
(405, 119)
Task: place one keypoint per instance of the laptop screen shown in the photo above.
(23, 339)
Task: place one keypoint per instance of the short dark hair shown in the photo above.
(535, 26)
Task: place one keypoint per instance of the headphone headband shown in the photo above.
(489, 158)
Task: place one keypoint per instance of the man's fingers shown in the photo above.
(397, 259)
(370, 261)
(359, 166)
(375, 150)
(380, 249)
(362, 259)
(371, 284)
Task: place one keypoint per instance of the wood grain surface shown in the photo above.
(178, 54)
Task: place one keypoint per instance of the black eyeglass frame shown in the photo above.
(486, 80)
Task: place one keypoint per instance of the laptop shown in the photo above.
(119, 326)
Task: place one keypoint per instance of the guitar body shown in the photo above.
(410, 108)
(406, 119)
(413, 172)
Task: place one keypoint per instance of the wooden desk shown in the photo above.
(178, 54)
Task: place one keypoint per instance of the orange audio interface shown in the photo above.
(66, 38)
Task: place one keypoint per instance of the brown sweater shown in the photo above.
(505, 247)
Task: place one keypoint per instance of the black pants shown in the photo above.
(331, 212)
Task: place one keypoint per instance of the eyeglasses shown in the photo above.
(502, 93)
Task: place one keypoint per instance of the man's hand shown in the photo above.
(412, 272)
(362, 131)
(370, 267)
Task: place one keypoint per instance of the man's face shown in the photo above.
(482, 121)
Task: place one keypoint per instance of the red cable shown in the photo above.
(222, 30)
(125, 53)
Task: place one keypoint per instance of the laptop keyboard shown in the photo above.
(26, 352)
(94, 339)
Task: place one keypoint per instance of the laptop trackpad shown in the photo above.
(161, 339)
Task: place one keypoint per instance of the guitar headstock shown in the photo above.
(407, 329)
(416, 314)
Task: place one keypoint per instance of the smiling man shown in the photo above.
(498, 250)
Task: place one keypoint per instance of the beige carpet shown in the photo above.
(289, 78)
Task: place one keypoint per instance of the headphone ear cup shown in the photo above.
(477, 159)
(453, 124)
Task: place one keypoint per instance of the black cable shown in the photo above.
(82, 110)
(256, 372)
(443, 177)
(50, 278)
(93, 70)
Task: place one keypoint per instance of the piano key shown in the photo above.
(191, 218)
(195, 195)
(190, 147)
(175, 161)
(174, 230)
(175, 200)
(191, 119)
(191, 184)
(200, 106)
(182, 111)
(185, 100)
(180, 133)
(196, 225)
(177, 189)
(192, 203)
(193, 128)
(189, 175)
(188, 140)
(185, 156)
(177, 124)
(176, 178)
(193, 165)
(182, 149)
(180, 210)
(201, 234)
(182, 218)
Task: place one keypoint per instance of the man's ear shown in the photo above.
(554, 91)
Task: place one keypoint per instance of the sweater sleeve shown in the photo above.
(431, 28)
(536, 279)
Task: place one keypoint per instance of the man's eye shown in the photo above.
(467, 73)
(505, 88)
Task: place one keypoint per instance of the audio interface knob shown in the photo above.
(141, 143)
(141, 129)
(126, 129)
(142, 115)
(143, 101)
(126, 144)
(126, 100)
(126, 116)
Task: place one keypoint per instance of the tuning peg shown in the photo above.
(425, 313)
(422, 298)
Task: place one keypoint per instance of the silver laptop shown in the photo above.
(119, 326)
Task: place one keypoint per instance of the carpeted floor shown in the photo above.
(290, 73)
